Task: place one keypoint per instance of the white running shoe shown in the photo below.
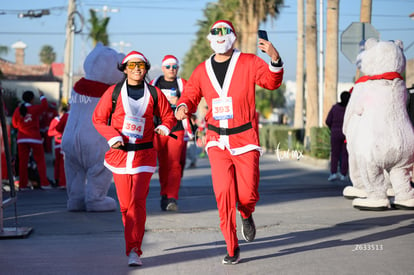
(333, 177)
(134, 259)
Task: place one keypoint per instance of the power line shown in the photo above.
(174, 33)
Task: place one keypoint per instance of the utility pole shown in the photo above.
(68, 59)
(364, 17)
(320, 77)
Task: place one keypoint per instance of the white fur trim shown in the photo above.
(170, 61)
(274, 69)
(222, 24)
(164, 129)
(114, 140)
(131, 171)
(29, 140)
(129, 57)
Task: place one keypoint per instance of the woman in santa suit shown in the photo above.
(227, 81)
(132, 157)
(26, 120)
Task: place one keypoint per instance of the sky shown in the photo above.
(160, 27)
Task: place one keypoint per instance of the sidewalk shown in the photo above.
(304, 226)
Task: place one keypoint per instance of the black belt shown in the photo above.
(230, 131)
(136, 147)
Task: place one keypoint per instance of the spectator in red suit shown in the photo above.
(26, 120)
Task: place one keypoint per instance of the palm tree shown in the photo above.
(4, 50)
(298, 118)
(98, 31)
(311, 70)
(249, 15)
(246, 16)
(331, 58)
(47, 55)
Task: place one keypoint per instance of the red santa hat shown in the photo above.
(134, 54)
(225, 23)
(169, 59)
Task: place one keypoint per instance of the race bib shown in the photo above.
(222, 108)
(133, 126)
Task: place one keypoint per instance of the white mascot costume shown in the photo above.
(88, 180)
(378, 130)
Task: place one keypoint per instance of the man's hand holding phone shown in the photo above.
(266, 46)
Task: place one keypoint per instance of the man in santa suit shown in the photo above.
(227, 82)
(170, 149)
(130, 133)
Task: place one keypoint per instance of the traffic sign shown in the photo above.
(352, 36)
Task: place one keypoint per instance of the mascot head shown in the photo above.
(101, 65)
(378, 57)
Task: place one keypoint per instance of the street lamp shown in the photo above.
(106, 9)
(122, 45)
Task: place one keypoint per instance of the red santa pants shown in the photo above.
(59, 169)
(169, 152)
(235, 181)
(39, 157)
(132, 192)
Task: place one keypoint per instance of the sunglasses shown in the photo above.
(131, 65)
(222, 30)
(174, 67)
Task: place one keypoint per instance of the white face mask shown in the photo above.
(221, 47)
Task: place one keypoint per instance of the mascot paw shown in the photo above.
(76, 205)
(104, 205)
(351, 192)
(405, 205)
(370, 204)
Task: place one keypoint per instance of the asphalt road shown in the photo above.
(304, 226)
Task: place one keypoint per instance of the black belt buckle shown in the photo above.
(222, 131)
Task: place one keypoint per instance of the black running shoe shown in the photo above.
(232, 260)
(164, 203)
(248, 229)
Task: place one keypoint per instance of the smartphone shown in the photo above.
(262, 34)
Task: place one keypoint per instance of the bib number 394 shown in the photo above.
(222, 108)
(133, 126)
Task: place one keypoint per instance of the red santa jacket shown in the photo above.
(238, 133)
(28, 130)
(56, 128)
(131, 162)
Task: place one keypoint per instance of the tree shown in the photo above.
(331, 59)
(249, 15)
(298, 116)
(267, 100)
(246, 16)
(98, 31)
(47, 55)
(311, 70)
(4, 50)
